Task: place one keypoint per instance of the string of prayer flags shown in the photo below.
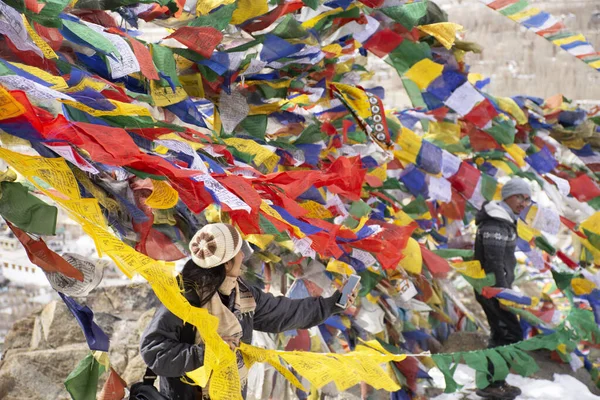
(262, 115)
(549, 27)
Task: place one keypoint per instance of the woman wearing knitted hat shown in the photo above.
(211, 280)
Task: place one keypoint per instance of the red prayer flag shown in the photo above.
(114, 387)
(43, 257)
(383, 42)
(583, 188)
(481, 114)
(437, 265)
(201, 39)
(465, 180)
(567, 260)
(498, 4)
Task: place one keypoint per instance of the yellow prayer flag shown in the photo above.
(313, 21)
(446, 132)
(267, 108)
(164, 96)
(192, 84)
(87, 82)
(355, 97)
(525, 14)
(517, 153)
(39, 42)
(570, 39)
(412, 261)
(341, 68)
(510, 106)
(592, 224)
(526, 232)
(400, 217)
(58, 83)
(316, 210)
(380, 172)
(339, 267)
(9, 106)
(424, 72)
(444, 32)
(582, 286)
(261, 241)
(247, 9)
(334, 49)
(471, 269)
(203, 7)
(410, 144)
(261, 154)
(163, 196)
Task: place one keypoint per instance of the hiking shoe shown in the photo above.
(496, 393)
(512, 389)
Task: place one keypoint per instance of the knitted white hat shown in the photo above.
(216, 244)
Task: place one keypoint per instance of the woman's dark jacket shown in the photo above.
(167, 345)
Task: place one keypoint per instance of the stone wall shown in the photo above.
(41, 350)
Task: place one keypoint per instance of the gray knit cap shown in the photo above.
(515, 186)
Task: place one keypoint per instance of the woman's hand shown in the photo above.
(352, 298)
(232, 342)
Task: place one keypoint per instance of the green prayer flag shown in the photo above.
(255, 125)
(595, 203)
(268, 228)
(518, 360)
(311, 3)
(416, 207)
(165, 63)
(414, 94)
(500, 368)
(357, 136)
(82, 382)
(26, 211)
(289, 28)
(488, 186)
(443, 362)
(360, 209)
(368, 280)
(218, 19)
(452, 253)
(269, 92)
(312, 134)
(503, 131)
(562, 279)
(88, 35)
(478, 361)
(479, 284)
(48, 16)
(408, 54)
(514, 8)
(542, 243)
(593, 238)
(408, 15)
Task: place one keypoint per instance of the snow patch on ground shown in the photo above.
(563, 387)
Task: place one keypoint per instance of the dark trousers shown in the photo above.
(504, 326)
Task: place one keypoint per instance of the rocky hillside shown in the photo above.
(41, 350)
(519, 61)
